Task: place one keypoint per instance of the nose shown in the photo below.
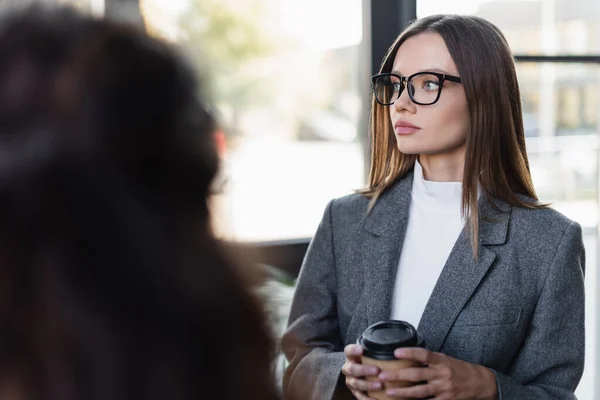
(404, 102)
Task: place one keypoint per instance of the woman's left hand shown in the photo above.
(443, 377)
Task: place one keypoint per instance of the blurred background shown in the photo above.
(290, 80)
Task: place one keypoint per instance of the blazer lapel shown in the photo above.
(462, 273)
(386, 226)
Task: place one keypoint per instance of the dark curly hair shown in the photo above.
(112, 285)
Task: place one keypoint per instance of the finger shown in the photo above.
(360, 395)
(346, 368)
(358, 370)
(423, 356)
(418, 391)
(353, 352)
(363, 385)
(409, 375)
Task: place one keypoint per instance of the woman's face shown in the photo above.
(441, 128)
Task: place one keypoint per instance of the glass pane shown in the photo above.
(83, 5)
(561, 108)
(285, 78)
(533, 26)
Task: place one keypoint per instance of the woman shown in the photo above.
(449, 235)
(112, 285)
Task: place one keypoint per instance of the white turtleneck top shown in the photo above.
(434, 223)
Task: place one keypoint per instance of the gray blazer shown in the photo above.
(518, 309)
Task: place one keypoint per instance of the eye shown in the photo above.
(431, 85)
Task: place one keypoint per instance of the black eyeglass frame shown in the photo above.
(405, 80)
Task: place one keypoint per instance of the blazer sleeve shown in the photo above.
(312, 343)
(550, 364)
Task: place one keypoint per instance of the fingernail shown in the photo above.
(399, 353)
(376, 385)
(372, 370)
(384, 376)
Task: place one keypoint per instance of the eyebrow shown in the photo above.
(441, 71)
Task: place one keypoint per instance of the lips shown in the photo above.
(405, 128)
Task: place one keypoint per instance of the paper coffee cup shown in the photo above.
(379, 342)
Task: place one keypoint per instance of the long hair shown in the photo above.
(496, 158)
(112, 285)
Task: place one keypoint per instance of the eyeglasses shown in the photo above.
(424, 88)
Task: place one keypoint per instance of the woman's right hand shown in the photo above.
(355, 373)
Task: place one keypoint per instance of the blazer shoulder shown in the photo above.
(348, 209)
(351, 203)
(542, 222)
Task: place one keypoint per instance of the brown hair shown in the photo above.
(496, 157)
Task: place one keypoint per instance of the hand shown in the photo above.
(444, 377)
(355, 372)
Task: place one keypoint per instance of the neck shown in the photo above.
(447, 167)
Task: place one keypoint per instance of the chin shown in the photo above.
(406, 147)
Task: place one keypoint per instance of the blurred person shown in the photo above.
(449, 236)
(112, 285)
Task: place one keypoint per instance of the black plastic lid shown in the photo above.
(381, 339)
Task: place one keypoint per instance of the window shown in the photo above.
(533, 26)
(591, 109)
(287, 92)
(95, 7)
